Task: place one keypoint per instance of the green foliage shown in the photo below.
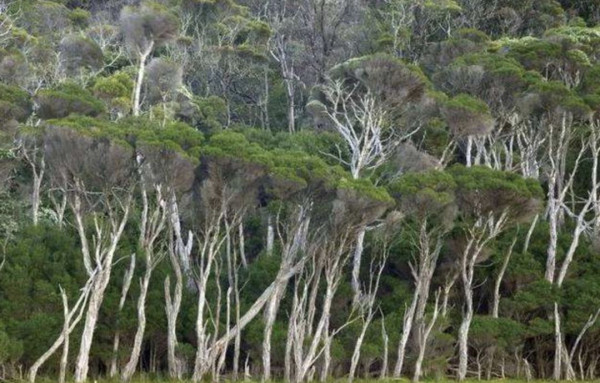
(67, 98)
(218, 97)
(15, 104)
(467, 115)
(176, 136)
(502, 332)
(208, 114)
(481, 190)
(42, 259)
(80, 17)
(425, 194)
(113, 86)
(468, 104)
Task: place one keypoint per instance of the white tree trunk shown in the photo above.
(87, 336)
(356, 261)
(422, 346)
(385, 358)
(558, 345)
(499, 277)
(134, 358)
(468, 154)
(270, 236)
(406, 330)
(463, 335)
(72, 318)
(270, 316)
(143, 56)
(104, 265)
(127, 278)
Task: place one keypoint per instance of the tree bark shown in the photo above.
(104, 265)
(127, 278)
(72, 318)
(558, 345)
(143, 56)
(356, 261)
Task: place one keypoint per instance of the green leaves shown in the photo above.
(427, 195)
(468, 116)
(65, 99)
(481, 190)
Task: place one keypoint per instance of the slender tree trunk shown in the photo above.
(327, 339)
(270, 316)
(558, 344)
(291, 107)
(87, 336)
(143, 56)
(406, 330)
(422, 346)
(463, 335)
(530, 233)
(37, 190)
(356, 261)
(468, 154)
(385, 358)
(127, 278)
(98, 287)
(134, 358)
(499, 277)
(359, 341)
(72, 318)
(270, 236)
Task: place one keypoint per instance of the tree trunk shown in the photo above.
(270, 236)
(468, 154)
(37, 190)
(499, 277)
(134, 358)
(463, 335)
(557, 345)
(406, 330)
(72, 318)
(424, 336)
(385, 358)
(356, 261)
(270, 317)
(143, 56)
(87, 336)
(127, 278)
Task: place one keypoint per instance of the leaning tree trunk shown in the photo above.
(87, 336)
(127, 278)
(270, 316)
(409, 316)
(97, 290)
(131, 365)
(72, 318)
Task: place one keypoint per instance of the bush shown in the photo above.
(66, 99)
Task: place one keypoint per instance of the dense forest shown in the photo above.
(299, 190)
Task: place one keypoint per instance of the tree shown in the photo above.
(364, 102)
(428, 198)
(488, 201)
(145, 28)
(99, 185)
